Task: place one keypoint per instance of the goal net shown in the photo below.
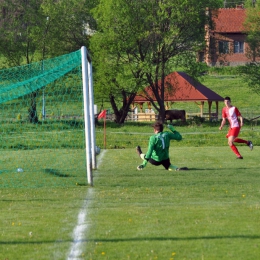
(43, 128)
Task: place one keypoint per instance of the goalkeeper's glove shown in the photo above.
(141, 167)
(171, 128)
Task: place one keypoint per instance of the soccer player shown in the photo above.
(158, 149)
(232, 114)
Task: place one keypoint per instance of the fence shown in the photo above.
(248, 114)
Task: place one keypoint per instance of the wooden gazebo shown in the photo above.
(180, 87)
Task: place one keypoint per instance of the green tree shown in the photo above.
(19, 20)
(251, 71)
(32, 30)
(252, 29)
(251, 76)
(67, 20)
(147, 39)
(118, 72)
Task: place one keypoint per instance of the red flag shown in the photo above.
(102, 114)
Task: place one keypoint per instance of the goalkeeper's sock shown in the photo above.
(142, 155)
(172, 168)
(144, 163)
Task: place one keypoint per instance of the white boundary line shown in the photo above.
(79, 232)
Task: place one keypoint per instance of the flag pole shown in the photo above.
(105, 133)
(103, 114)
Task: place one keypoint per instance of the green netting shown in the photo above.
(22, 80)
(50, 149)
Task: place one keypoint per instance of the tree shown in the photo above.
(148, 39)
(252, 30)
(117, 76)
(18, 19)
(33, 30)
(251, 76)
(251, 71)
(67, 21)
(18, 22)
(115, 83)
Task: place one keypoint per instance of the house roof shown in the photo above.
(181, 87)
(229, 20)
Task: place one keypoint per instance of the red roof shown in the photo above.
(229, 20)
(181, 87)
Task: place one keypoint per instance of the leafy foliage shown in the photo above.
(37, 29)
(252, 30)
(251, 76)
(140, 42)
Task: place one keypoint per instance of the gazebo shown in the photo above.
(180, 87)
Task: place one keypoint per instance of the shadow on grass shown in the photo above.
(56, 173)
(211, 169)
(116, 240)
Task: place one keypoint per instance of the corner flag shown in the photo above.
(102, 114)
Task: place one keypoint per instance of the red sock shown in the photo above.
(238, 140)
(234, 149)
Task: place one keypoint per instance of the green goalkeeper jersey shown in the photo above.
(159, 144)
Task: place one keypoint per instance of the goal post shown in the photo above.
(58, 148)
(92, 113)
(89, 119)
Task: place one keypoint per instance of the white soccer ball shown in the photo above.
(19, 170)
(97, 150)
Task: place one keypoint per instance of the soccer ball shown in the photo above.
(97, 150)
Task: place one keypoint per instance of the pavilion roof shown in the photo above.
(180, 87)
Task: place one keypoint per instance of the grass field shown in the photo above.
(210, 212)
(49, 212)
(206, 134)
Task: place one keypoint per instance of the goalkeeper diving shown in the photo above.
(158, 149)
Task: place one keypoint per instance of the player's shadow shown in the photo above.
(178, 238)
(133, 239)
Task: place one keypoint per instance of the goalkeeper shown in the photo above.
(158, 149)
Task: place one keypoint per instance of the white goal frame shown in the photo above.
(89, 117)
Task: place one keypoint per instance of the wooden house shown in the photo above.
(226, 41)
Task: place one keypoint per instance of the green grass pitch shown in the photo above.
(210, 212)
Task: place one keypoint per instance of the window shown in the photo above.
(238, 47)
(223, 47)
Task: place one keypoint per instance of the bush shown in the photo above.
(227, 70)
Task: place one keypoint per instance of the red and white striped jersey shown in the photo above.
(231, 113)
